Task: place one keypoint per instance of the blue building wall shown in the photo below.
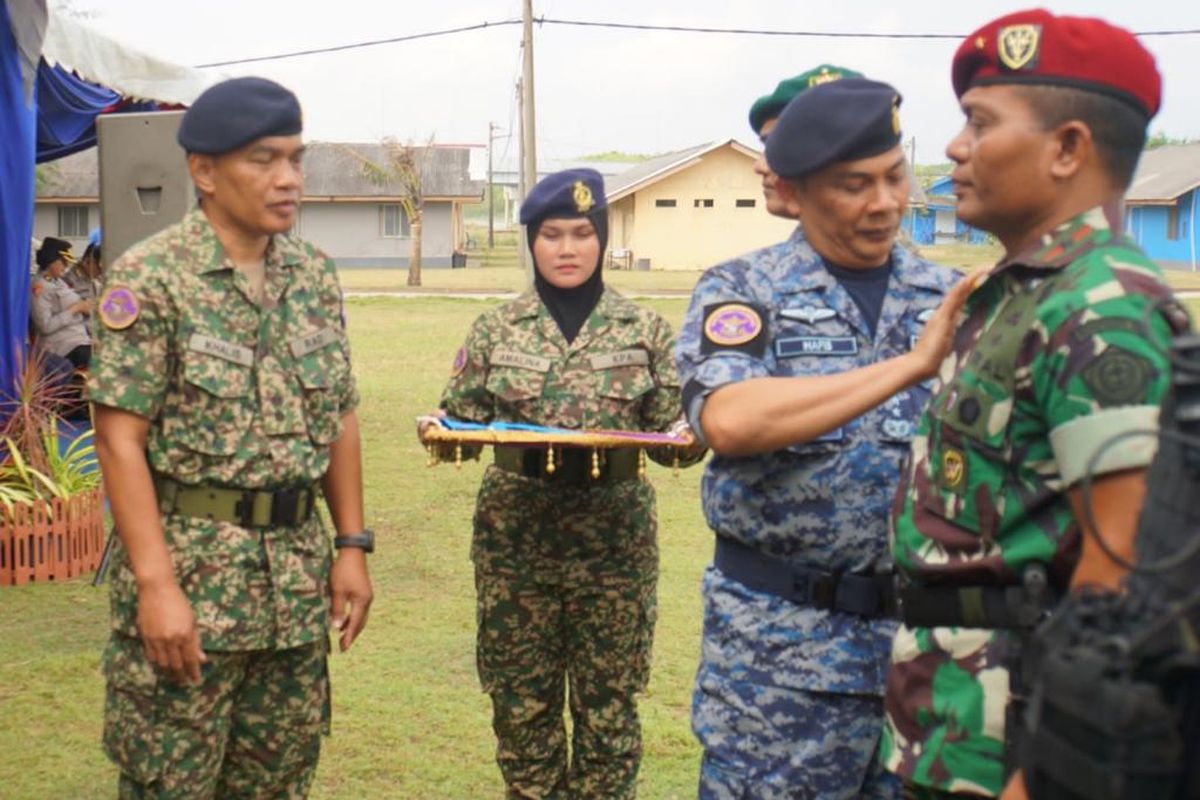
(1148, 226)
(943, 187)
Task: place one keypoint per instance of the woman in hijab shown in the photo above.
(565, 554)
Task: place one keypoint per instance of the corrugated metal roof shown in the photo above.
(331, 169)
(649, 171)
(1164, 174)
(618, 185)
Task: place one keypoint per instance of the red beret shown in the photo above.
(1036, 47)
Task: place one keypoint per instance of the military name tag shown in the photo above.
(226, 350)
(816, 346)
(809, 314)
(312, 340)
(624, 358)
(507, 358)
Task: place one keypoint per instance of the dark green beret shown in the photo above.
(842, 121)
(232, 113)
(769, 105)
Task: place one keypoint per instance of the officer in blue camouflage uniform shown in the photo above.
(794, 362)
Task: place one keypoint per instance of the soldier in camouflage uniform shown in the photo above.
(801, 366)
(1060, 353)
(566, 563)
(223, 397)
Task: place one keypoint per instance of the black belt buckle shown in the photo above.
(243, 509)
(286, 505)
(816, 588)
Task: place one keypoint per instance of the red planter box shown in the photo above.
(51, 540)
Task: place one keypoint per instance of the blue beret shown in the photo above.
(840, 121)
(236, 112)
(570, 193)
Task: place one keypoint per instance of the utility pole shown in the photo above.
(528, 125)
(491, 200)
(521, 188)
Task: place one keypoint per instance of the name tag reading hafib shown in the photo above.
(226, 350)
(312, 340)
(623, 358)
(507, 358)
(816, 346)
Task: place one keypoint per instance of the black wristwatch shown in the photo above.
(365, 541)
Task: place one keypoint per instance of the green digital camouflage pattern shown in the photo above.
(1059, 352)
(238, 394)
(566, 574)
(252, 728)
(244, 394)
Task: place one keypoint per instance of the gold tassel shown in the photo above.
(595, 464)
(458, 455)
(675, 465)
(642, 464)
(550, 467)
(433, 455)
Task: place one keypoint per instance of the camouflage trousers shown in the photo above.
(772, 743)
(565, 584)
(539, 643)
(251, 729)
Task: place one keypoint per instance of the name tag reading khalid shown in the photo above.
(816, 346)
(226, 350)
(623, 358)
(312, 340)
(507, 358)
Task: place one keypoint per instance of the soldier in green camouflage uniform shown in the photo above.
(223, 397)
(565, 563)
(1060, 353)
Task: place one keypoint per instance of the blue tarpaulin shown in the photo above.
(17, 151)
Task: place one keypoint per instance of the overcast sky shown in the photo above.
(603, 89)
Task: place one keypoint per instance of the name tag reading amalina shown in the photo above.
(226, 350)
(312, 340)
(622, 358)
(508, 358)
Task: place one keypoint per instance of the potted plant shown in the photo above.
(51, 500)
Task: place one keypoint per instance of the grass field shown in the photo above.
(409, 720)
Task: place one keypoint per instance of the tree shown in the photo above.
(1161, 139)
(403, 166)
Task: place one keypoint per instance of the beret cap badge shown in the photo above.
(824, 76)
(1017, 45)
(582, 195)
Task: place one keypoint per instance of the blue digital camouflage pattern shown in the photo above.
(821, 504)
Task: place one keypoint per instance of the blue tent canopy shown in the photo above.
(47, 111)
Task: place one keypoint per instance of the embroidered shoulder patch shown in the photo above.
(733, 326)
(1118, 377)
(460, 362)
(119, 307)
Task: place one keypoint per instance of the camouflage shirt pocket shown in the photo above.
(321, 373)
(625, 383)
(969, 459)
(515, 384)
(215, 405)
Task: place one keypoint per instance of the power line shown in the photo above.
(632, 26)
(811, 34)
(356, 45)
